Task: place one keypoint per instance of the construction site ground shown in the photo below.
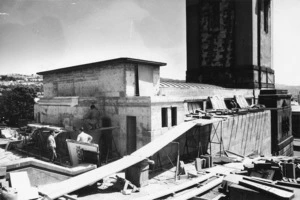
(108, 190)
(160, 180)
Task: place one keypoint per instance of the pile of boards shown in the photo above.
(253, 178)
(262, 178)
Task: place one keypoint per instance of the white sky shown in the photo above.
(286, 41)
(39, 35)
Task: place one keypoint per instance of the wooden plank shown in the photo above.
(238, 192)
(282, 194)
(295, 185)
(255, 180)
(200, 190)
(20, 181)
(219, 196)
(68, 197)
(56, 190)
(230, 152)
(220, 169)
(88, 178)
(164, 140)
(203, 122)
(176, 188)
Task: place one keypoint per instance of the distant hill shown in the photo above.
(172, 80)
(294, 90)
(10, 80)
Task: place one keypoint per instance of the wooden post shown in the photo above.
(177, 164)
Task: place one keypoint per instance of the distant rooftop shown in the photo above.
(167, 84)
(101, 63)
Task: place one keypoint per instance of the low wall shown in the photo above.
(245, 134)
(241, 134)
(43, 173)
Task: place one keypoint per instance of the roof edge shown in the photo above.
(116, 60)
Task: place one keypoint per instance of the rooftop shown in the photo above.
(167, 84)
(102, 63)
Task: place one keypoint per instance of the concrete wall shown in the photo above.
(242, 134)
(89, 82)
(116, 109)
(266, 34)
(43, 173)
(245, 134)
(40, 177)
(157, 103)
(146, 85)
(68, 112)
(109, 80)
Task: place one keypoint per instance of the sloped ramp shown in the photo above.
(59, 189)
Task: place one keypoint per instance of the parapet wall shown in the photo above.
(241, 134)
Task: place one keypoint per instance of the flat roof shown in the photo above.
(116, 60)
(181, 85)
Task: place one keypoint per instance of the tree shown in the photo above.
(18, 103)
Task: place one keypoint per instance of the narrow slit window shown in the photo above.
(174, 116)
(164, 117)
(266, 15)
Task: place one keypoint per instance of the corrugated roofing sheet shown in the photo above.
(164, 84)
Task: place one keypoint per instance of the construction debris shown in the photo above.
(227, 174)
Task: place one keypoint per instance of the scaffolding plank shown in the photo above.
(177, 188)
(197, 191)
(279, 193)
(21, 182)
(164, 140)
(203, 122)
(59, 189)
(56, 190)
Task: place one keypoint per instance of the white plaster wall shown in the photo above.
(117, 109)
(156, 116)
(97, 81)
(110, 80)
(156, 80)
(130, 80)
(146, 80)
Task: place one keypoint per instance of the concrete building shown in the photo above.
(229, 43)
(129, 92)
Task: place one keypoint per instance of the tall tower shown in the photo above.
(229, 43)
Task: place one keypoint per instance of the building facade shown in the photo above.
(129, 93)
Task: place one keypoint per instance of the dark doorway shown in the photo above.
(131, 134)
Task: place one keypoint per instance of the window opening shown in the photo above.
(164, 117)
